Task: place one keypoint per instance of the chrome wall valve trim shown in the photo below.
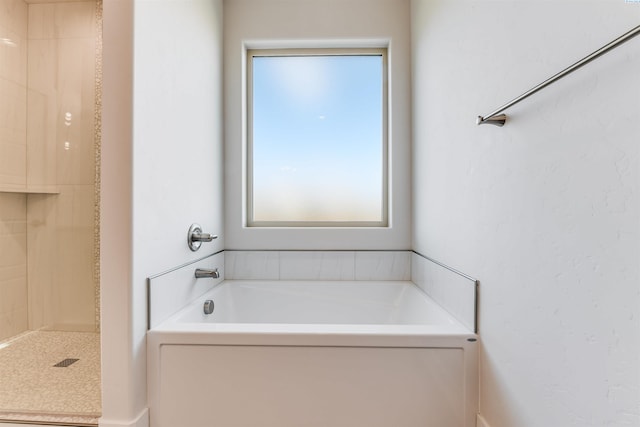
(195, 237)
(203, 273)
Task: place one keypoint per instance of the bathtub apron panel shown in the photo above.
(243, 386)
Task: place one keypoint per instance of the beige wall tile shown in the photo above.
(64, 208)
(13, 108)
(84, 207)
(62, 20)
(58, 66)
(73, 287)
(75, 292)
(13, 56)
(75, 207)
(41, 21)
(9, 272)
(13, 264)
(41, 141)
(75, 19)
(43, 113)
(13, 114)
(62, 78)
(43, 66)
(14, 16)
(61, 248)
(86, 123)
(13, 235)
(13, 323)
(12, 214)
(41, 256)
(13, 250)
(13, 295)
(12, 160)
(76, 94)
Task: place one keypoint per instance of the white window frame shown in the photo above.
(250, 54)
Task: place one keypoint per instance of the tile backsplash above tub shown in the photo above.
(318, 265)
(453, 290)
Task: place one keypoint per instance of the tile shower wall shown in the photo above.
(453, 291)
(13, 141)
(13, 93)
(47, 69)
(13, 265)
(318, 265)
(60, 150)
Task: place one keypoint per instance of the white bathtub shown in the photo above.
(313, 354)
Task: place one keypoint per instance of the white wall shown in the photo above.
(545, 211)
(162, 170)
(318, 23)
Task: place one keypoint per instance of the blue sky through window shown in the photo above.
(318, 138)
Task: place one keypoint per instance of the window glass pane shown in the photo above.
(317, 139)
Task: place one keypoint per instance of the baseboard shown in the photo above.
(481, 422)
(142, 420)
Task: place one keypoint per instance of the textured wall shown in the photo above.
(543, 211)
(161, 170)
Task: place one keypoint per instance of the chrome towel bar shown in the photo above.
(495, 118)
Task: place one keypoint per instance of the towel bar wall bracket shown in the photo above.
(498, 119)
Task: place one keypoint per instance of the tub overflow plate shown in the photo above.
(208, 306)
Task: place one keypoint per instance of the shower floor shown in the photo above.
(33, 390)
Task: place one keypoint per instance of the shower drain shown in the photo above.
(64, 363)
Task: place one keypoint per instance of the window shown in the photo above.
(317, 144)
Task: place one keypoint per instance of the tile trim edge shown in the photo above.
(476, 287)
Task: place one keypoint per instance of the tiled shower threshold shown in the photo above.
(37, 389)
(48, 419)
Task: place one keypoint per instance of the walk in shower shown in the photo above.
(50, 73)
